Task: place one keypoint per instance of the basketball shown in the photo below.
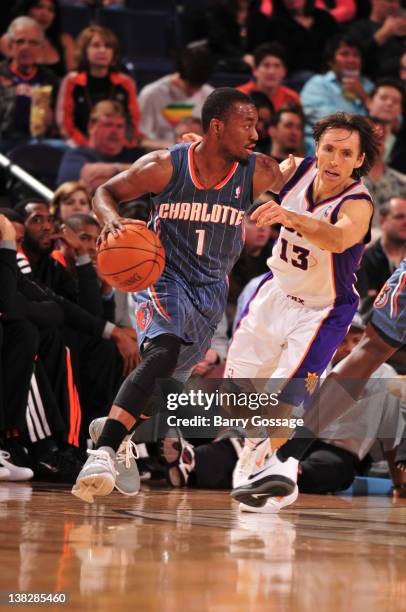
(132, 261)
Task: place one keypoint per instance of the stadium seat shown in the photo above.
(152, 5)
(147, 70)
(201, 5)
(223, 78)
(142, 34)
(75, 19)
(40, 160)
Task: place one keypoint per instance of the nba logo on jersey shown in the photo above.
(237, 192)
(328, 210)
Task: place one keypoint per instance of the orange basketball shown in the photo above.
(133, 261)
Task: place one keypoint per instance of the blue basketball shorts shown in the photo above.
(389, 313)
(191, 313)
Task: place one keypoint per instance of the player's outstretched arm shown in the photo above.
(351, 227)
(149, 174)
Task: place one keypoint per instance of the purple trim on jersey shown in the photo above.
(305, 165)
(346, 264)
(331, 332)
(355, 196)
(268, 276)
(309, 196)
(345, 267)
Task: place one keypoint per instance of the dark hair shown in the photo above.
(53, 33)
(288, 109)
(369, 142)
(231, 6)
(274, 49)
(84, 39)
(389, 82)
(137, 209)
(12, 215)
(377, 121)
(336, 42)
(260, 99)
(77, 220)
(195, 63)
(21, 207)
(280, 10)
(219, 103)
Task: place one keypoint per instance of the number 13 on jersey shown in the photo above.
(294, 254)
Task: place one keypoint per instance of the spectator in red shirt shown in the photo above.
(269, 71)
(342, 10)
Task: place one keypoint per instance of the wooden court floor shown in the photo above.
(188, 550)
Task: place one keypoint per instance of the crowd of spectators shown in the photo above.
(66, 337)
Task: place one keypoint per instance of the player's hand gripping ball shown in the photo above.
(132, 260)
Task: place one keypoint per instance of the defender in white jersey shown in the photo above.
(303, 308)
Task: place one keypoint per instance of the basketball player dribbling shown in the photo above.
(202, 192)
(303, 308)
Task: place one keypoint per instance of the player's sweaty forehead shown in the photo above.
(341, 138)
(243, 112)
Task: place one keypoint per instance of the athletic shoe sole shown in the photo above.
(258, 492)
(93, 485)
(274, 507)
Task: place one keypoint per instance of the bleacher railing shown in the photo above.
(26, 178)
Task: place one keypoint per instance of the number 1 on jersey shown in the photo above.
(200, 241)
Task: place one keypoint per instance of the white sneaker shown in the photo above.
(273, 504)
(128, 477)
(275, 478)
(98, 475)
(251, 459)
(4, 473)
(16, 472)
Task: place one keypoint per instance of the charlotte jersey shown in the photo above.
(202, 230)
(315, 277)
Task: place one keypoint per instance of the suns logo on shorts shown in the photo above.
(311, 382)
(382, 297)
(144, 315)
